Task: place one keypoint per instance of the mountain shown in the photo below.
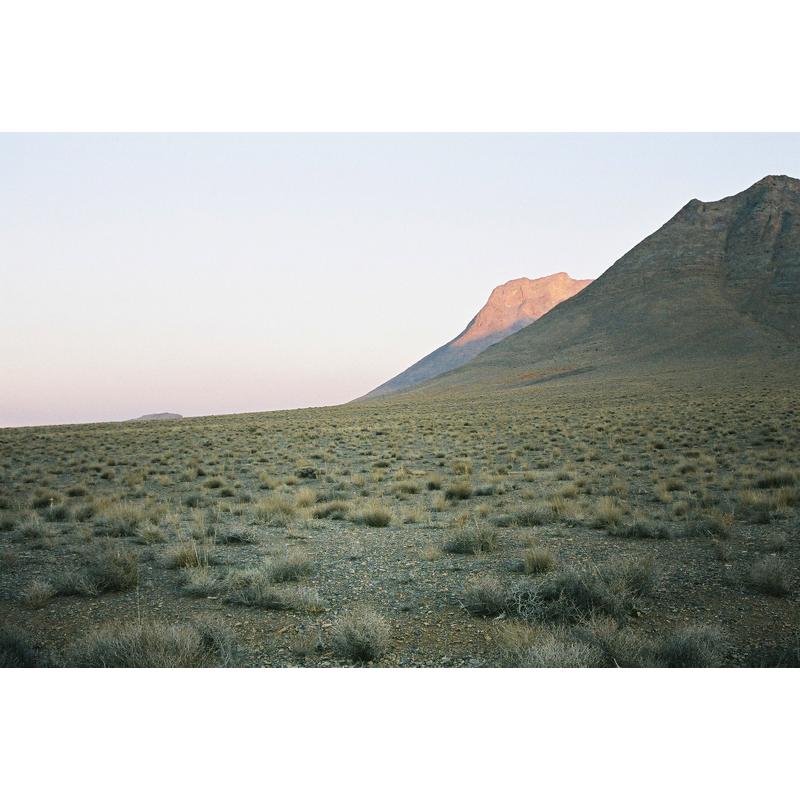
(510, 308)
(162, 415)
(715, 289)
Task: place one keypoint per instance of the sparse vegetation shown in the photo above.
(558, 516)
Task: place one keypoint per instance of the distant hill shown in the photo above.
(163, 415)
(715, 289)
(510, 308)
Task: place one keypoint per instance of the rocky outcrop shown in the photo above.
(510, 308)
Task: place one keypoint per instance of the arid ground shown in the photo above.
(565, 524)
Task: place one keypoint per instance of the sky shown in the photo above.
(226, 273)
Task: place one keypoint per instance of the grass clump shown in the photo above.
(717, 526)
(537, 647)
(538, 560)
(276, 511)
(776, 480)
(335, 509)
(373, 514)
(290, 567)
(16, 652)
(617, 646)
(530, 517)
(458, 491)
(693, 647)
(608, 589)
(255, 588)
(360, 635)
(609, 513)
(114, 571)
(190, 554)
(471, 541)
(485, 597)
(38, 594)
(155, 645)
(770, 576)
(641, 529)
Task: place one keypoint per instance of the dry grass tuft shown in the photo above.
(770, 576)
(374, 514)
(695, 646)
(538, 560)
(38, 594)
(155, 645)
(360, 635)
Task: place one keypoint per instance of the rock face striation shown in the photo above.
(717, 286)
(510, 308)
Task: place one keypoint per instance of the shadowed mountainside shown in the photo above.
(715, 288)
(510, 308)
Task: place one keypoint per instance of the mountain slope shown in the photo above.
(717, 285)
(510, 308)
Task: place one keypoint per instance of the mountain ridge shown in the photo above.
(717, 284)
(510, 307)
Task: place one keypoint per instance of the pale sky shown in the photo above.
(215, 274)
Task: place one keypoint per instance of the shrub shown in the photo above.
(374, 515)
(360, 635)
(307, 473)
(204, 643)
(538, 560)
(606, 589)
(770, 576)
(695, 646)
(458, 491)
(529, 646)
(213, 483)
